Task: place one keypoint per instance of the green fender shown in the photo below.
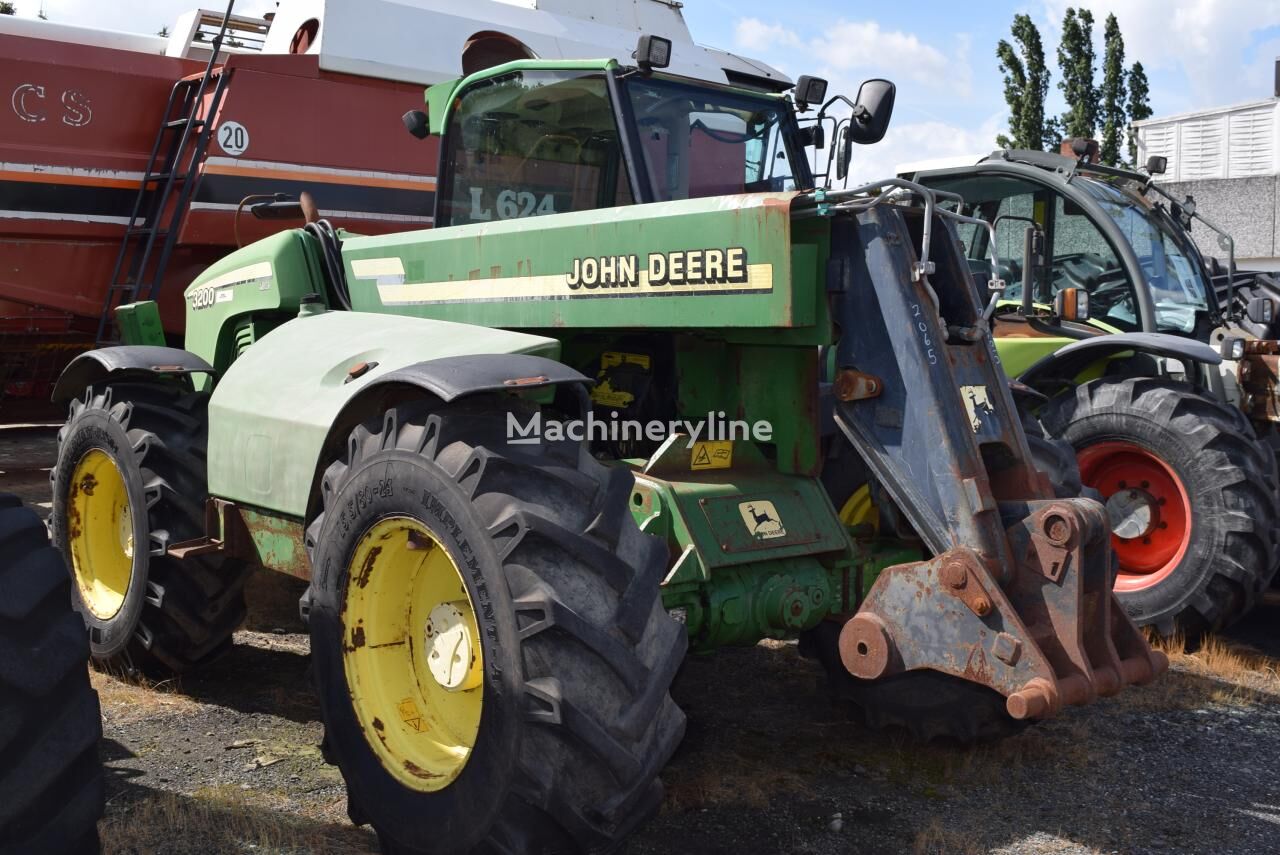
(272, 412)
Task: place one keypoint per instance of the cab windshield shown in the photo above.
(1178, 288)
(701, 141)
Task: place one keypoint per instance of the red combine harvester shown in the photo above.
(128, 163)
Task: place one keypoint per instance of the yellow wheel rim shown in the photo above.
(100, 532)
(411, 650)
(859, 509)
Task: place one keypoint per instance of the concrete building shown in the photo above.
(1228, 158)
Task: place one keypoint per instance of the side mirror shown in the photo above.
(417, 123)
(845, 153)
(1156, 165)
(1033, 247)
(1261, 310)
(872, 112)
(1071, 304)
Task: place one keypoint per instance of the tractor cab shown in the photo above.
(530, 140)
(1099, 246)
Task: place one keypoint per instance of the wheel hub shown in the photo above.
(100, 534)
(450, 656)
(1132, 513)
(412, 655)
(1148, 508)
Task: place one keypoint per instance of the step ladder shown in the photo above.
(168, 184)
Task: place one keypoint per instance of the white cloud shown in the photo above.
(754, 34)
(856, 45)
(913, 142)
(848, 49)
(1203, 38)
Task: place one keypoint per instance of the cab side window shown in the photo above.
(532, 143)
(1082, 258)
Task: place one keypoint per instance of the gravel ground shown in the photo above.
(226, 760)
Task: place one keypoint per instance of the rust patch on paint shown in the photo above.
(418, 772)
(366, 569)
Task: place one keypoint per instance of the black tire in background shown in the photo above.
(176, 615)
(1226, 475)
(51, 787)
(577, 720)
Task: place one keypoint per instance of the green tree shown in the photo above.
(1139, 105)
(7, 8)
(1075, 58)
(1026, 83)
(1114, 90)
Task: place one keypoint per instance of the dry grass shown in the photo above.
(732, 780)
(1215, 672)
(127, 697)
(938, 839)
(226, 820)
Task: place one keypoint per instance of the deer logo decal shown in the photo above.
(762, 520)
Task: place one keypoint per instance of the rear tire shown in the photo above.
(1222, 505)
(51, 787)
(173, 615)
(577, 653)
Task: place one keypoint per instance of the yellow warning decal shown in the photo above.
(411, 716)
(716, 454)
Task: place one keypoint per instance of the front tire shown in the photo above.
(51, 787)
(555, 627)
(1190, 493)
(130, 481)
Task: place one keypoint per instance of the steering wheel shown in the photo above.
(1107, 287)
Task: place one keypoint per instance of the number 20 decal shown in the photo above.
(233, 138)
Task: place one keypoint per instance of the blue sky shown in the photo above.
(1198, 53)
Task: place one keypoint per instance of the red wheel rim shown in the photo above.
(1126, 472)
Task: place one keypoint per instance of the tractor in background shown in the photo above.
(528, 458)
(1156, 377)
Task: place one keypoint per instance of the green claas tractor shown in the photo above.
(1161, 383)
(527, 458)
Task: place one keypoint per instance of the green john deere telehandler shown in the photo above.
(529, 457)
(1163, 383)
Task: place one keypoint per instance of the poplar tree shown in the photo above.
(1075, 58)
(1139, 105)
(1114, 90)
(1026, 83)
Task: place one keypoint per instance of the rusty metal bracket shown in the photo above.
(225, 533)
(853, 385)
(1051, 635)
(1258, 374)
(964, 583)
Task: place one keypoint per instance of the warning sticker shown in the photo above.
(411, 716)
(716, 454)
